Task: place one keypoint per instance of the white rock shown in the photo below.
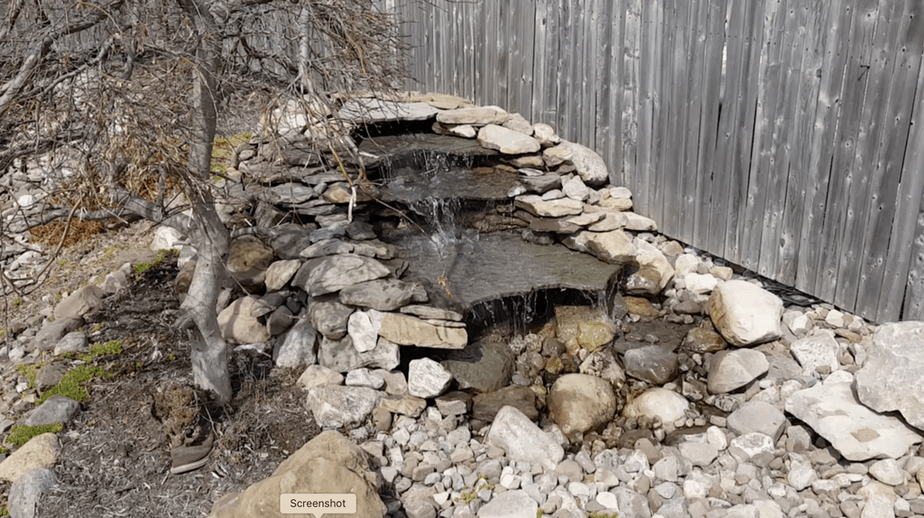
(801, 474)
(891, 379)
(745, 314)
(588, 164)
(639, 223)
(575, 189)
(659, 402)
(427, 378)
(363, 331)
(887, 472)
(166, 238)
(834, 318)
(752, 444)
(537, 206)
(730, 370)
(816, 350)
(506, 141)
(685, 264)
(545, 134)
(522, 440)
(699, 453)
(316, 376)
(613, 247)
(654, 271)
(700, 283)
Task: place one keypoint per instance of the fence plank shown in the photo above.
(544, 52)
(884, 195)
(856, 78)
(864, 171)
(696, 30)
(783, 129)
(590, 47)
(912, 203)
(631, 89)
(816, 20)
(768, 83)
(744, 129)
(607, 129)
(827, 114)
(661, 152)
(672, 147)
(648, 68)
(709, 123)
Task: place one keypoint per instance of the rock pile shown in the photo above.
(749, 409)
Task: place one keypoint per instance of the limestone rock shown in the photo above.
(536, 206)
(730, 370)
(407, 330)
(816, 350)
(280, 273)
(506, 141)
(654, 271)
(79, 303)
(510, 504)
(40, 452)
(653, 363)
(426, 378)
(342, 356)
(475, 116)
(248, 260)
(27, 490)
(583, 327)
(329, 318)
(336, 272)
(602, 363)
(580, 402)
(329, 463)
(758, 416)
(745, 314)
(588, 164)
(484, 366)
(383, 294)
(57, 409)
(639, 223)
(316, 376)
(337, 406)
(704, 339)
(664, 404)
(297, 347)
(379, 110)
(523, 440)
(613, 247)
(891, 377)
(858, 433)
(238, 325)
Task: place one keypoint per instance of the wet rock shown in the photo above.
(248, 260)
(522, 440)
(279, 273)
(758, 416)
(484, 366)
(704, 339)
(297, 347)
(40, 452)
(580, 402)
(239, 326)
(891, 377)
(383, 294)
(855, 431)
(342, 356)
(316, 376)
(329, 463)
(75, 342)
(427, 378)
(27, 490)
(816, 350)
(666, 405)
(541, 184)
(745, 314)
(486, 406)
(730, 370)
(654, 364)
(79, 303)
(506, 141)
(603, 364)
(538, 207)
(329, 318)
(336, 272)
(641, 307)
(558, 226)
(337, 406)
(56, 409)
(613, 247)
(584, 327)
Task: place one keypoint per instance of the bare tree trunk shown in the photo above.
(209, 350)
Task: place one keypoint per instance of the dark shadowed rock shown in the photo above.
(486, 406)
(484, 366)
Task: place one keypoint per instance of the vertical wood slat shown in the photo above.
(864, 171)
(673, 107)
(877, 291)
(855, 80)
(781, 143)
(630, 93)
(609, 30)
(695, 56)
(760, 170)
(663, 100)
(817, 17)
(714, 56)
(590, 46)
(909, 232)
(648, 65)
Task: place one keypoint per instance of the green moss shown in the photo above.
(110, 347)
(17, 301)
(21, 434)
(97, 327)
(161, 255)
(603, 515)
(29, 371)
(171, 357)
(70, 384)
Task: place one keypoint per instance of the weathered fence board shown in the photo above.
(776, 134)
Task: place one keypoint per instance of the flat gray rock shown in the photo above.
(57, 409)
(816, 350)
(484, 366)
(51, 333)
(383, 294)
(378, 110)
(75, 342)
(517, 435)
(891, 379)
(758, 416)
(730, 370)
(336, 406)
(336, 272)
(342, 356)
(510, 504)
(297, 348)
(426, 378)
(833, 412)
(27, 490)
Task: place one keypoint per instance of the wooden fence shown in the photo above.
(786, 136)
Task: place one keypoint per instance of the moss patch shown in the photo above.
(161, 255)
(21, 434)
(70, 384)
(30, 371)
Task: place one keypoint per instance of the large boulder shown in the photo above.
(79, 303)
(858, 433)
(745, 314)
(327, 464)
(588, 164)
(40, 452)
(654, 270)
(612, 247)
(517, 435)
(891, 377)
(580, 402)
